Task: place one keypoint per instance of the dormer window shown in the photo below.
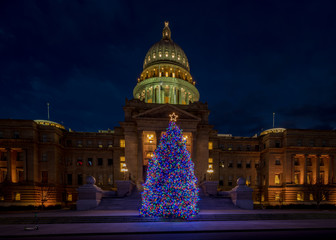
(160, 54)
(173, 55)
(166, 54)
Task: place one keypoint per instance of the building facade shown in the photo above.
(41, 162)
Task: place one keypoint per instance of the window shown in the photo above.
(69, 197)
(79, 143)
(89, 143)
(69, 179)
(297, 177)
(3, 156)
(210, 145)
(256, 147)
(69, 162)
(309, 162)
(110, 144)
(296, 162)
(248, 147)
(324, 143)
(122, 143)
(277, 179)
(2, 197)
(210, 160)
(230, 181)
(90, 162)
(20, 174)
(239, 164)
(256, 165)
(248, 180)
(44, 157)
(311, 142)
(17, 196)
(16, 134)
(230, 147)
(110, 162)
(299, 196)
(44, 138)
(100, 144)
(277, 196)
(110, 179)
(309, 177)
(248, 164)
(44, 176)
(311, 197)
(299, 142)
(80, 179)
(277, 144)
(100, 179)
(19, 156)
(3, 174)
(230, 164)
(321, 162)
(277, 161)
(79, 162)
(100, 162)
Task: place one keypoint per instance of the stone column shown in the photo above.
(140, 158)
(305, 169)
(9, 165)
(330, 169)
(317, 169)
(146, 94)
(292, 168)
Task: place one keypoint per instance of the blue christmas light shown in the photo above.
(170, 190)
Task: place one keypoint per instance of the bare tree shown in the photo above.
(46, 192)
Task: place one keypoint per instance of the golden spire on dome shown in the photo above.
(166, 34)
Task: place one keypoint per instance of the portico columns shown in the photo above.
(305, 169)
(317, 174)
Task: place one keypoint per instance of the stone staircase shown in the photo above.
(215, 203)
(133, 202)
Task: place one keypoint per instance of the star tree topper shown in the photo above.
(173, 117)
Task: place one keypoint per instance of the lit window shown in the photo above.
(160, 54)
(296, 178)
(299, 196)
(210, 145)
(210, 166)
(210, 160)
(122, 143)
(178, 57)
(100, 144)
(79, 143)
(69, 197)
(17, 196)
(311, 197)
(173, 55)
(148, 58)
(79, 162)
(2, 198)
(122, 158)
(277, 196)
(150, 138)
(166, 54)
(277, 179)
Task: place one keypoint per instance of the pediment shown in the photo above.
(162, 112)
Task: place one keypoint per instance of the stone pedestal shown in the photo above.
(209, 188)
(89, 195)
(241, 195)
(124, 188)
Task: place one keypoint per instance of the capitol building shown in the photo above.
(280, 165)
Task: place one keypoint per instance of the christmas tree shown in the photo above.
(171, 187)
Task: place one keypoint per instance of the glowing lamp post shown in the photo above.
(210, 171)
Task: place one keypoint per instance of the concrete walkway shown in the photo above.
(327, 221)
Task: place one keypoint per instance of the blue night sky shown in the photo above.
(248, 58)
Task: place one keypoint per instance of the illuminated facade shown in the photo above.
(41, 161)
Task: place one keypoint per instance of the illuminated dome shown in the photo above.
(166, 74)
(273, 130)
(49, 123)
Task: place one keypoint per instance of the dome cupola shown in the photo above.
(166, 74)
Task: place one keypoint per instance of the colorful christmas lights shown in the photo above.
(170, 190)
